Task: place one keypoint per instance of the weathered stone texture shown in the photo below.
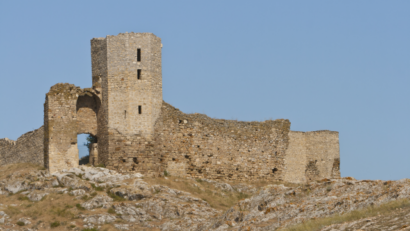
(222, 149)
(312, 156)
(131, 97)
(28, 148)
(137, 131)
(68, 111)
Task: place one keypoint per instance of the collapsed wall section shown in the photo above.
(28, 148)
(60, 127)
(198, 146)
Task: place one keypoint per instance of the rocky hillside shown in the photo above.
(89, 198)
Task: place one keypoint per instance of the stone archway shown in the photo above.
(87, 108)
(69, 111)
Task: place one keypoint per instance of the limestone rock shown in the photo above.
(25, 221)
(98, 219)
(16, 186)
(122, 226)
(36, 195)
(97, 202)
(77, 192)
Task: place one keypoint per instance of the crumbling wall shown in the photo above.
(60, 127)
(68, 111)
(199, 146)
(28, 148)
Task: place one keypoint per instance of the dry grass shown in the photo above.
(262, 183)
(320, 223)
(56, 208)
(217, 198)
(6, 170)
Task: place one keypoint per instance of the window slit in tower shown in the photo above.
(139, 74)
(139, 55)
(139, 110)
(125, 114)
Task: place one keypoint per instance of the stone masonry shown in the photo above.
(28, 148)
(137, 131)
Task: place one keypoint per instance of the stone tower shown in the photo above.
(126, 69)
(120, 109)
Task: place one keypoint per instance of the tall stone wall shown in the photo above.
(28, 148)
(199, 146)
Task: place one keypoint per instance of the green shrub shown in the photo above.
(242, 195)
(97, 188)
(111, 210)
(79, 207)
(114, 196)
(100, 165)
(20, 223)
(88, 229)
(166, 173)
(54, 224)
(22, 198)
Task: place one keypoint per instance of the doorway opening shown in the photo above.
(85, 144)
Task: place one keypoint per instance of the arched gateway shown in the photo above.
(68, 111)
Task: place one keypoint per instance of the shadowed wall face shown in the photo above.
(87, 109)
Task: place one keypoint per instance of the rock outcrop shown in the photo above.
(105, 198)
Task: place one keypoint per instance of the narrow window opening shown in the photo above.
(139, 55)
(139, 74)
(139, 110)
(125, 114)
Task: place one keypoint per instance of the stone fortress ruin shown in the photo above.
(137, 131)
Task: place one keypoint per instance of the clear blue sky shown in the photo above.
(335, 65)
